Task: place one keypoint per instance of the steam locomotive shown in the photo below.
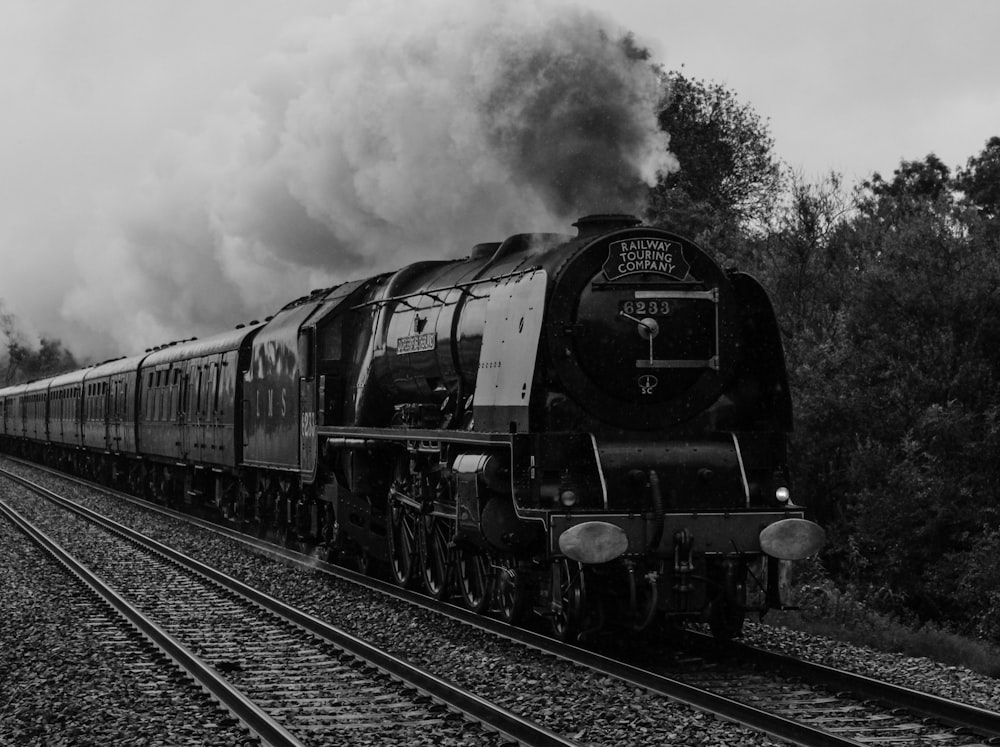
(589, 428)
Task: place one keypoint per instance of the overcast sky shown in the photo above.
(854, 85)
(123, 118)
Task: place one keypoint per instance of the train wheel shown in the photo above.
(434, 556)
(566, 619)
(150, 490)
(135, 480)
(402, 536)
(511, 592)
(474, 579)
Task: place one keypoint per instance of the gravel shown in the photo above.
(524, 683)
(71, 675)
(918, 673)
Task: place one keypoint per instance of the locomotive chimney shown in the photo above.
(592, 225)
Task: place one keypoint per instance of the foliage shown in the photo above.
(913, 184)
(20, 362)
(729, 176)
(826, 609)
(890, 306)
(979, 181)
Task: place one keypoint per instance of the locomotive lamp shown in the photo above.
(783, 495)
(568, 498)
(792, 539)
(569, 490)
(593, 542)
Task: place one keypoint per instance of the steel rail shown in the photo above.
(479, 709)
(983, 722)
(775, 725)
(241, 707)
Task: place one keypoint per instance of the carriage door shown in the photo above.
(115, 414)
(209, 410)
(193, 426)
(184, 408)
(112, 416)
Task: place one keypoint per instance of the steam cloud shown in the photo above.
(399, 131)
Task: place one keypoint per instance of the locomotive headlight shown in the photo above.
(568, 497)
(783, 495)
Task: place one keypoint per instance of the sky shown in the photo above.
(175, 167)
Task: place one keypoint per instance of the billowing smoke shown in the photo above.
(401, 130)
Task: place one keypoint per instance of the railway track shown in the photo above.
(103, 680)
(851, 700)
(289, 678)
(792, 700)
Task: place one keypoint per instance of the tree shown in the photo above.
(729, 178)
(811, 268)
(911, 422)
(23, 363)
(980, 180)
(11, 346)
(913, 182)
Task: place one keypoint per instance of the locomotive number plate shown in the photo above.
(645, 307)
(416, 343)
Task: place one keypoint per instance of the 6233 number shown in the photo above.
(650, 307)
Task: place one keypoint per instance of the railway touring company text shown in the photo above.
(656, 256)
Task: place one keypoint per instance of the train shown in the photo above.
(589, 430)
